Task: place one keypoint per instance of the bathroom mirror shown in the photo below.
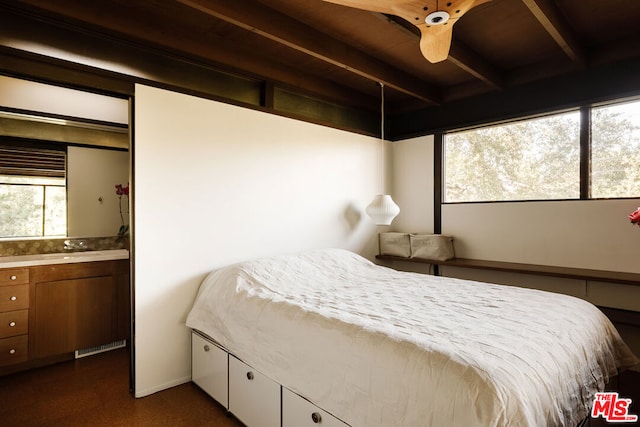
(93, 206)
(94, 129)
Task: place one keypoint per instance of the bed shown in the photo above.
(378, 347)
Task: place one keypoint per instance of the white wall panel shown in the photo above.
(215, 184)
(412, 184)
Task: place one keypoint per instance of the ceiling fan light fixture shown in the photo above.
(437, 18)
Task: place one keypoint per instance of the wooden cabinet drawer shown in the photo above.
(14, 297)
(253, 398)
(210, 368)
(77, 270)
(13, 350)
(299, 412)
(14, 323)
(14, 276)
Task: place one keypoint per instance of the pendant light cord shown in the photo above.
(382, 111)
(384, 173)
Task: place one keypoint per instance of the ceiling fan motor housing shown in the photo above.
(437, 18)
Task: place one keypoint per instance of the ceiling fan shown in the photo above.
(434, 18)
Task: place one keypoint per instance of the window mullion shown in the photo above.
(585, 153)
(44, 209)
(438, 182)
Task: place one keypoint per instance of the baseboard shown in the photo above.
(149, 391)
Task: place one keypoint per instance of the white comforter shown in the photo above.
(378, 347)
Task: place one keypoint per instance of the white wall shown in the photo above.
(412, 184)
(594, 234)
(215, 184)
(92, 204)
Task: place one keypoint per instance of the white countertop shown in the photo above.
(62, 258)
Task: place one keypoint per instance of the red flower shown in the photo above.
(122, 191)
(635, 217)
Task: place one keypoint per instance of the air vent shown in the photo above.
(100, 349)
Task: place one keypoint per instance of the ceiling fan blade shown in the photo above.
(436, 33)
(435, 42)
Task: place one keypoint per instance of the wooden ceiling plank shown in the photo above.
(282, 29)
(552, 21)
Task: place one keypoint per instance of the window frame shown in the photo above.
(43, 224)
(585, 127)
(49, 162)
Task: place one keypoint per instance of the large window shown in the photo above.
(33, 197)
(615, 151)
(540, 158)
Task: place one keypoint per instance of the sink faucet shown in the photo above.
(70, 245)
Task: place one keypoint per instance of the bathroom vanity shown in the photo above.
(52, 305)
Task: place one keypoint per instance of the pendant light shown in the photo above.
(382, 209)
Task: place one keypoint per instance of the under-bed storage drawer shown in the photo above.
(253, 398)
(210, 368)
(299, 412)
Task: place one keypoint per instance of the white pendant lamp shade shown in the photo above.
(382, 209)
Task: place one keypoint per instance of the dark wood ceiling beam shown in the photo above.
(547, 13)
(282, 29)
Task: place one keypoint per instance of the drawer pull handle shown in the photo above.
(12, 351)
(316, 417)
(206, 348)
(12, 324)
(13, 298)
(13, 277)
(250, 375)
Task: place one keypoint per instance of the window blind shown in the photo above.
(32, 160)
